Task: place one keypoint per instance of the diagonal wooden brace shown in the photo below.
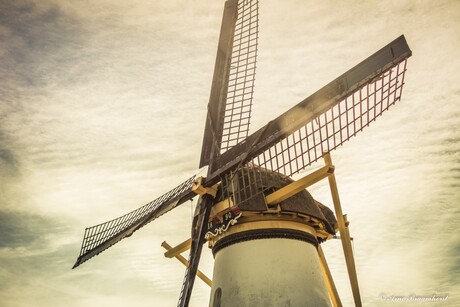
(328, 278)
(345, 235)
(184, 261)
(179, 249)
(299, 185)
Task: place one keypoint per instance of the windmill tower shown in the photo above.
(264, 228)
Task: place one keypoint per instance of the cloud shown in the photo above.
(20, 230)
(8, 163)
(36, 34)
(25, 234)
(32, 252)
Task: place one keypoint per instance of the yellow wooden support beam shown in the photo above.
(201, 190)
(299, 185)
(179, 249)
(185, 262)
(345, 235)
(328, 278)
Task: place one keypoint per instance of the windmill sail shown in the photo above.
(200, 227)
(100, 237)
(229, 110)
(230, 102)
(326, 119)
(241, 75)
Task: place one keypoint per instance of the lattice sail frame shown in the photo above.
(100, 237)
(324, 133)
(335, 126)
(242, 73)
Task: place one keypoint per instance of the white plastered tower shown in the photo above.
(270, 257)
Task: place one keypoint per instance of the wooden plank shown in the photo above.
(298, 185)
(179, 249)
(328, 278)
(184, 261)
(345, 236)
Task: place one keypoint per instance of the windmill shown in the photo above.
(250, 211)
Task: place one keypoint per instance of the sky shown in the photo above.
(102, 109)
